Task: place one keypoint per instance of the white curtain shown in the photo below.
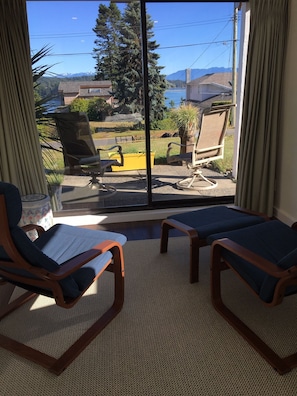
(20, 152)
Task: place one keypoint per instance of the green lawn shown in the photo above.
(158, 145)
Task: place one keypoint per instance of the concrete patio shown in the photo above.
(131, 188)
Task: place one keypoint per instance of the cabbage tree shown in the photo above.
(186, 120)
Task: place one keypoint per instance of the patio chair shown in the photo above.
(80, 154)
(209, 146)
(264, 257)
(62, 263)
(201, 223)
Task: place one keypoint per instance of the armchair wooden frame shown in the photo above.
(45, 280)
(286, 277)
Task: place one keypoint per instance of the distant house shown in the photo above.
(210, 87)
(70, 90)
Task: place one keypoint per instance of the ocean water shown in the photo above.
(176, 95)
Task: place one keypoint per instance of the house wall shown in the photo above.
(202, 92)
(68, 98)
(286, 188)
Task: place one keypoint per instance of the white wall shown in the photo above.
(286, 194)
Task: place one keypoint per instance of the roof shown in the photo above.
(68, 87)
(92, 92)
(223, 79)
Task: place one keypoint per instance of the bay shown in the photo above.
(174, 95)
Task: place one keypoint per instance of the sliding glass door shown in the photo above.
(136, 70)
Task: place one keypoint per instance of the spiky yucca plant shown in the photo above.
(186, 120)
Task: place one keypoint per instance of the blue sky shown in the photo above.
(190, 35)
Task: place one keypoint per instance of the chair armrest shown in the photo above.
(33, 227)
(174, 158)
(119, 148)
(72, 265)
(251, 257)
(119, 151)
(177, 144)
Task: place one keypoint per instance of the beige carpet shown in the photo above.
(168, 340)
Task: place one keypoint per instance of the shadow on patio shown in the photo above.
(131, 188)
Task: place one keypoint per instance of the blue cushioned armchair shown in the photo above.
(61, 263)
(264, 257)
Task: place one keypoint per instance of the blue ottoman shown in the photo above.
(200, 224)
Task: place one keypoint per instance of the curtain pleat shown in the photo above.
(20, 152)
(260, 123)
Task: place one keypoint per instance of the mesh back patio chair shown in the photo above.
(80, 154)
(209, 146)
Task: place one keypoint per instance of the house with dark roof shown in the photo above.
(70, 90)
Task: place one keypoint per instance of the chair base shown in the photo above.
(58, 365)
(281, 365)
(197, 182)
(105, 189)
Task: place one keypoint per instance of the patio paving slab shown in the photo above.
(131, 188)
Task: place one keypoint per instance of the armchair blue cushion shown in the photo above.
(274, 241)
(62, 242)
(216, 219)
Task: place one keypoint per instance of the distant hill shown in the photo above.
(88, 75)
(196, 73)
(179, 75)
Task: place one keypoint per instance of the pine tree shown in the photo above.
(107, 42)
(124, 68)
(130, 83)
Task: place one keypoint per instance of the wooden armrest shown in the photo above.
(252, 258)
(33, 227)
(79, 261)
